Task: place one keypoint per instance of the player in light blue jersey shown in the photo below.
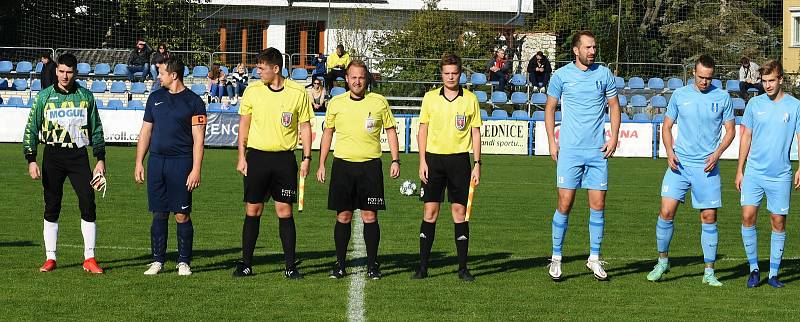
(700, 110)
(580, 148)
(770, 122)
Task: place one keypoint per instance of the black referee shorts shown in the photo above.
(450, 171)
(356, 185)
(270, 174)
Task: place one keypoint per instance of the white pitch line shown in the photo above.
(355, 302)
(107, 247)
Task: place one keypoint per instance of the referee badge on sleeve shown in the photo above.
(461, 121)
(286, 119)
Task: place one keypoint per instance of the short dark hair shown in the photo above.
(704, 60)
(162, 45)
(340, 46)
(46, 55)
(576, 39)
(271, 56)
(450, 59)
(744, 60)
(175, 65)
(770, 67)
(356, 63)
(68, 59)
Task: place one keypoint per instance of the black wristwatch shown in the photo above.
(307, 157)
(396, 161)
(477, 162)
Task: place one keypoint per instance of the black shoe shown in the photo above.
(242, 270)
(292, 274)
(465, 276)
(420, 274)
(374, 272)
(338, 271)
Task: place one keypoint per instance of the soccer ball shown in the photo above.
(407, 188)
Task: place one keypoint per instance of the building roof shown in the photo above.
(452, 5)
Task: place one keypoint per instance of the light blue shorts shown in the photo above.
(706, 186)
(587, 169)
(778, 193)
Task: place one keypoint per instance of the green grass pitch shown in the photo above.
(509, 251)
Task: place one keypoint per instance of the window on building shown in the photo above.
(795, 26)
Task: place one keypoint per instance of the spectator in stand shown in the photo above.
(237, 82)
(139, 60)
(319, 62)
(48, 74)
(498, 68)
(539, 71)
(216, 84)
(336, 64)
(749, 77)
(161, 55)
(317, 95)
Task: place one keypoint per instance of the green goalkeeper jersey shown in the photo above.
(67, 119)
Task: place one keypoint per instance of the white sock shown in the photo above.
(594, 257)
(556, 257)
(89, 231)
(50, 239)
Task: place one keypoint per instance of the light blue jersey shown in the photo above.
(699, 117)
(583, 96)
(774, 124)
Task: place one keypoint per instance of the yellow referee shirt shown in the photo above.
(275, 115)
(334, 60)
(358, 125)
(450, 123)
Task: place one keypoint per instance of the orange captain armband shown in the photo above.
(199, 120)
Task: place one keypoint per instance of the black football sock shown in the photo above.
(249, 237)
(341, 237)
(427, 232)
(372, 238)
(462, 243)
(288, 235)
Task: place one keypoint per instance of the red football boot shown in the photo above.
(48, 266)
(90, 265)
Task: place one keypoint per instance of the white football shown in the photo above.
(408, 188)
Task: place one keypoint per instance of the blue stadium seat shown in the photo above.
(482, 97)
(538, 115)
(98, 86)
(636, 83)
(624, 117)
(200, 72)
(623, 100)
(658, 101)
(15, 101)
(120, 70)
(500, 113)
(484, 114)
(674, 83)
(518, 80)
(117, 87)
(285, 72)
(135, 105)
(224, 69)
(690, 81)
(732, 85)
(185, 71)
(214, 107)
(641, 117)
(478, 79)
(655, 83)
(3, 84)
(36, 85)
(658, 118)
(254, 74)
(619, 82)
(24, 67)
(299, 74)
(717, 83)
(234, 109)
(115, 105)
(6, 66)
(499, 97)
(519, 98)
(463, 79)
(558, 115)
(539, 98)
(20, 84)
(638, 101)
(138, 88)
(199, 89)
(82, 83)
(338, 91)
(339, 79)
(39, 67)
(100, 104)
(102, 69)
(519, 114)
(84, 69)
(738, 103)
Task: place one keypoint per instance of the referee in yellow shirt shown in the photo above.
(356, 176)
(272, 114)
(450, 122)
(337, 63)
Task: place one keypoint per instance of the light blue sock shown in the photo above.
(709, 239)
(664, 229)
(776, 252)
(559, 230)
(708, 271)
(750, 240)
(596, 223)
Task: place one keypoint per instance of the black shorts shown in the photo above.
(451, 171)
(270, 174)
(166, 183)
(356, 185)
